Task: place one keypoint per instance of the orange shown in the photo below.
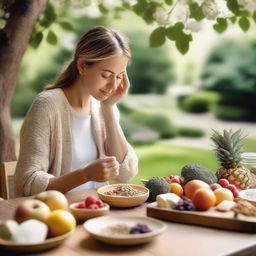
(176, 189)
(192, 186)
(223, 194)
(60, 222)
(204, 199)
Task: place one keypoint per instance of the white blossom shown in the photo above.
(111, 4)
(210, 9)
(180, 13)
(249, 5)
(80, 3)
(193, 25)
(161, 16)
(223, 9)
(129, 2)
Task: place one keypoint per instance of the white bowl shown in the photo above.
(249, 195)
(95, 226)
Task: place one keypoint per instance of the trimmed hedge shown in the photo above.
(230, 113)
(199, 102)
(191, 132)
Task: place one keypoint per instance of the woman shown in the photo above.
(71, 137)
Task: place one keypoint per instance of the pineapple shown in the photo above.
(228, 148)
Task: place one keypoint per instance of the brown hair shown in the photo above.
(97, 44)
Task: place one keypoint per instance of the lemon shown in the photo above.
(60, 222)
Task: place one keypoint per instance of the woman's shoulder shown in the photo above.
(51, 97)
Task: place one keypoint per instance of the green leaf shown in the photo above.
(233, 6)
(221, 26)
(243, 13)
(36, 40)
(182, 45)
(254, 16)
(244, 23)
(140, 7)
(174, 31)
(66, 26)
(169, 2)
(157, 37)
(233, 19)
(196, 11)
(50, 12)
(51, 38)
(148, 14)
(103, 9)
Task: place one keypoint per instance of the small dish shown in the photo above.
(85, 214)
(249, 195)
(31, 247)
(95, 226)
(123, 201)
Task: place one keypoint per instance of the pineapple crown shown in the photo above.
(228, 147)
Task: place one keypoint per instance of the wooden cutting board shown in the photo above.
(210, 218)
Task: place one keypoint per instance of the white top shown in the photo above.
(84, 149)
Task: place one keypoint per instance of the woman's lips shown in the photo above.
(105, 93)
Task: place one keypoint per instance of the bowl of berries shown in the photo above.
(91, 207)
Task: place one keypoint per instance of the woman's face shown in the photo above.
(104, 77)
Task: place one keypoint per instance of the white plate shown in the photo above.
(94, 228)
(249, 195)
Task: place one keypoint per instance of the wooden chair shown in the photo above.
(7, 170)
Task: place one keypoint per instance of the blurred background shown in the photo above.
(174, 100)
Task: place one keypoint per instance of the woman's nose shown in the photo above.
(113, 84)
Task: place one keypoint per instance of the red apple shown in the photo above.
(93, 206)
(100, 203)
(80, 205)
(233, 189)
(223, 182)
(31, 209)
(90, 200)
(215, 186)
(54, 199)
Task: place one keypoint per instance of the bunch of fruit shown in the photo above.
(185, 204)
(224, 183)
(140, 229)
(45, 215)
(90, 202)
(204, 197)
(175, 183)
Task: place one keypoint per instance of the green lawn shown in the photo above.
(161, 159)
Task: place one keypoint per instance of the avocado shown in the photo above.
(156, 186)
(197, 172)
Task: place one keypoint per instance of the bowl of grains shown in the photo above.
(123, 195)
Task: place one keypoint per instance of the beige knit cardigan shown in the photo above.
(46, 143)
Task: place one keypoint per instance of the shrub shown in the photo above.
(150, 70)
(230, 113)
(191, 132)
(230, 70)
(158, 123)
(199, 102)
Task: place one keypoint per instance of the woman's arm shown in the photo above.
(115, 144)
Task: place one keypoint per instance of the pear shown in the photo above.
(31, 231)
(8, 228)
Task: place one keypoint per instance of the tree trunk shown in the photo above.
(14, 38)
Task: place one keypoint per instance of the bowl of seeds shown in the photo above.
(123, 195)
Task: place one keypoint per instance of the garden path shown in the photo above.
(206, 122)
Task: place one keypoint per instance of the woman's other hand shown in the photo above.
(103, 169)
(119, 93)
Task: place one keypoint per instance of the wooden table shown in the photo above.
(177, 240)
